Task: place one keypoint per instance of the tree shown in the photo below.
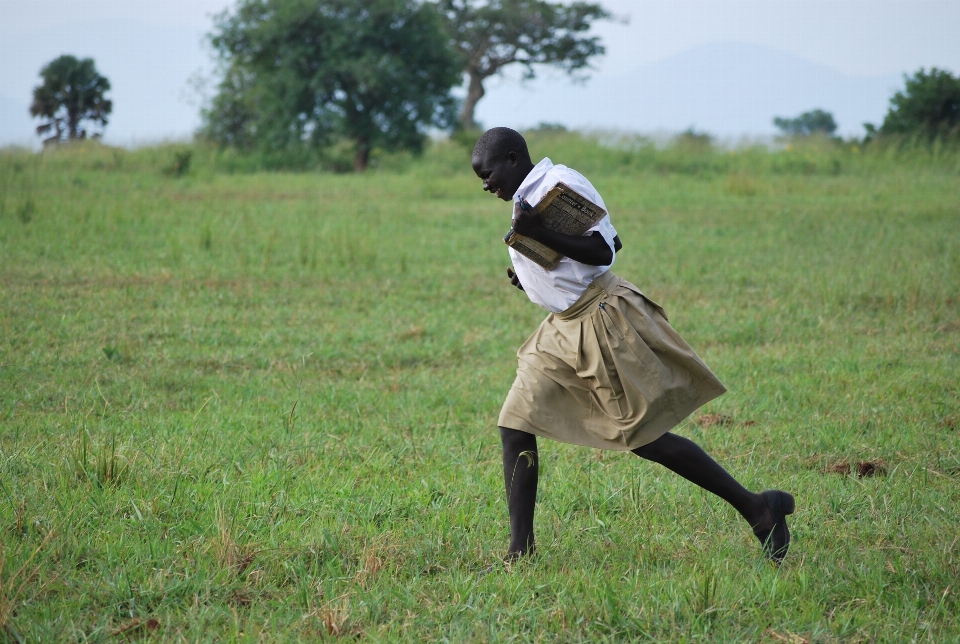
(929, 105)
(808, 124)
(492, 34)
(231, 119)
(302, 72)
(72, 92)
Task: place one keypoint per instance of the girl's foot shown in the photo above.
(772, 530)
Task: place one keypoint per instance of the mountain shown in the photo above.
(728, 89)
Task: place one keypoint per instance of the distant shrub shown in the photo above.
(807, 124)
(544, 126)
(693, 139)
(927, 108)
(181, 163)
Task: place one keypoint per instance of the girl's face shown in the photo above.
(501, 177)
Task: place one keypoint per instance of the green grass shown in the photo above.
(262, 406)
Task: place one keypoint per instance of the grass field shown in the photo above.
(255, 406)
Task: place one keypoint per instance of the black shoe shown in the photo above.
(776, 540)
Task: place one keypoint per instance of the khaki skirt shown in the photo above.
(609, 372)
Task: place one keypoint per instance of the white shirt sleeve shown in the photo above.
(606, 229)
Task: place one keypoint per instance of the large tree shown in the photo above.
(492, 34)
(302, 72)
(72, 92)
(929, 105)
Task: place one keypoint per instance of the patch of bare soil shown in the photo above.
(709, 420)
(136, 628)
(862, 469)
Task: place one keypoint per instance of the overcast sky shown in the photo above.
(149, 49)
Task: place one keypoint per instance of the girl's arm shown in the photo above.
(591, 249)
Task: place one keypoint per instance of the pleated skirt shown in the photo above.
(609, 372)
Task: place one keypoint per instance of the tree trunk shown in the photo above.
(73, 125)
(362, 156)
(474, 93)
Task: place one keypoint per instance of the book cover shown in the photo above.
(563, 210)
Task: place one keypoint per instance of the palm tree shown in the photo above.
(72, 92)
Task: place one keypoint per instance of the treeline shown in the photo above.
(300, 75)
(927, 109)
(336, 83)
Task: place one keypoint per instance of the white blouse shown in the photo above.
(558, 289)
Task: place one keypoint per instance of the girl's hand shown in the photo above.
(525, 221)
(591, 249)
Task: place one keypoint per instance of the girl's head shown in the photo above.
(502, 161)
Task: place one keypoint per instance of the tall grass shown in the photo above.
(596, 152)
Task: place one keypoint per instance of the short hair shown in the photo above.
(498, 142)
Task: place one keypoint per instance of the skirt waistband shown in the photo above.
(596, 292)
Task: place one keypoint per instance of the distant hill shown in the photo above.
(729, 89)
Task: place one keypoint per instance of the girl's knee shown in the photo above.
(666, 446)
(514, 439)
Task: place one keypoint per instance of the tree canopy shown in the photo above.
(492, 34)
(302, 72)
(929, 105)
(807, 124)
(72, 92)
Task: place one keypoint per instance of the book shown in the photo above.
(563, 210)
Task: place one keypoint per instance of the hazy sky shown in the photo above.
(149, 49)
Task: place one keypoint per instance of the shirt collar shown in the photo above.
(535, 176)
